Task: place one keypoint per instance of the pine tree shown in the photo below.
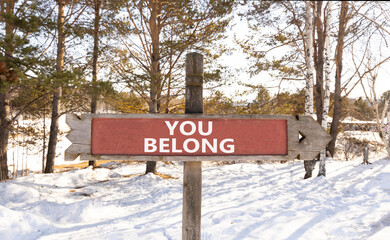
(155, 34)
(61, 78)
(18, 55)
(55, 111)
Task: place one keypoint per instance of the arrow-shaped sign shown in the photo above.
(194, 137)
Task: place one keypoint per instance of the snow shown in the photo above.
(239, 201)
(17, 154)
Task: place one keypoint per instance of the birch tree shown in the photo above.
(325, 107)
(309, 60)
(356, 22)
(308, 40)
(380, 116)
(321, 57)
(384, 108)
(352, 27)
(380, 113)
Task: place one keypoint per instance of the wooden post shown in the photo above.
(192, 178)
(365, 156)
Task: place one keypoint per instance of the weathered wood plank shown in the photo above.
(240, 158)
(192, 178)
(79, 135)
(192, 201)
(80, 128)
(307, 149)
(75, 150)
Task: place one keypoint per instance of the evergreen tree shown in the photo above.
(64, 79)
(362, 110)
(19, 61)
(155, 34)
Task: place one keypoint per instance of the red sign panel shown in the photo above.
(188, 137)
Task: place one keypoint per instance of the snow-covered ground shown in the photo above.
(240, 201)
(29, 157)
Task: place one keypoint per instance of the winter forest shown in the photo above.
(328, 60)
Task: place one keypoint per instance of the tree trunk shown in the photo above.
(319, 61)
(154, 25)
(4, 134)
(44, 140)
(9, 31)
(51, 148)
(339, 67)
(155, 72)
(308, 38)
(325, 109)
(382, 129)
(5, 123)
(387, 143)
(95, 55)
(53, 137)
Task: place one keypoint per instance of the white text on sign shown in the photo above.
(190, 145)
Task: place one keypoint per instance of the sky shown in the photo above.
(236, 59)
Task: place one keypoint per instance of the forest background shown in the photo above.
(128, 57)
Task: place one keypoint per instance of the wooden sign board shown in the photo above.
(194, 137)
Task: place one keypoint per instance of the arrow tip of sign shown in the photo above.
(72, 152)
(70, 156)
(71, 118)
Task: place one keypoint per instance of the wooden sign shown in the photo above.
(194, 137)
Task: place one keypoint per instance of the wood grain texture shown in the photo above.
(80, 136)
(192, 171)
(315, 138)
(192, 201)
